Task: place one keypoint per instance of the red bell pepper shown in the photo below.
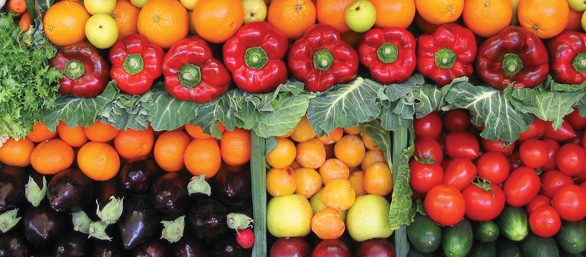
(447, 53)
(136, 63)
(513, 56)
(192, 73)
(567, 55)
(86, 73)
(388, 53)
(255, 56)
(320, 58)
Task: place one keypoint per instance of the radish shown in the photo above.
(245, 238)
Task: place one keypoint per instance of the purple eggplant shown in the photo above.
(188, 247)
(206, 220)
(104, 190)
(139, 222)
(42, 225)
(70, 190)
(109, 197)
(232, 186)
(153, 248)
(105, 248)
(13, 244)
(138, 176)
(169, 194)
(228, 247)
(72, 244)
(12, 183)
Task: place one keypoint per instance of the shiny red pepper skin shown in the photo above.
(192, 73)
(447, 53)
(255, 57)
(321, 59)
(514, 55)
(136, 63)
(86, 73)
(388, 53)
(567, 55)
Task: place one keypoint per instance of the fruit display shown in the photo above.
(292, 127)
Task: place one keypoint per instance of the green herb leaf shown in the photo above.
(402, 208)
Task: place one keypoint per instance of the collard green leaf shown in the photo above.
(402, 208)
(581, 105)
(127, 111)
(167, 112)
(381, 137)
(428, 98)
(397, 103)
(345, 105)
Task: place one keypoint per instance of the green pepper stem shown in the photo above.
(323, 60)
(189, 75)
(74, 69)
(256, 57)
(579, 62)
(387, 53)
(445, 58)
(512, 64)
(133, 63)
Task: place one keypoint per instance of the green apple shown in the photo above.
(138, 3)
(317, 204)
(577, 5)
(188, 4)
(99, 6)
(360, 15)
(369, 218)
(254, 10)
(583, 21)
(289, 216)
(101, 30)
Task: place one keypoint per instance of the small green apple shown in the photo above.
(138, 3)
(254, 10)
(583, 21)
(99, 6)
(317, 204)
(577, 5)
(101, 30)
(360, 15)
(369, 218)
(188, 4)
(289, 216)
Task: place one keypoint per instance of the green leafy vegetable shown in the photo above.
(127, 111)
(167, 112)
(397, 103)
(402, 208)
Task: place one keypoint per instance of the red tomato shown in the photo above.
(427, 148)
(483, 202)
(538, 200)
(521, 186)
(545, 221)
(428, 126)
(552, 180)
(445, 205)
(534, 130)
(576, 120)
(583, 141)
(552, 149)
(571, 159)
(456, 120)
(493, 166)
(459, 173)
(498, 146)
(562, 134)
(570, 202)
(425, 176)
(515, 160)
(533, 153)
(462, 144)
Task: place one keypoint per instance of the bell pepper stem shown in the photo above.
(387, 53)
(74, 69)
(133, 64)
(445, 58)
(512, 64)
(579, 62)
(189, 75)
(256, 57)
(323, 59)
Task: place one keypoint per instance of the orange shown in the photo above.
(369, 143)
(327, 223)
(332, 137)
(40, 133)
(487, 18)
(333, 169)
(339, 194)
(310, 153)
(196, 131)
(52, 156)
(440, 11)
(378, 179)
(303, 131)
(98, 161)
(356, 179)
(292, 17)
(74, 137)
(216, 21)
(355, 130)
(350, 149)
(126, 16)
(163, 22)
(281, 181)
(308, 182)
(202, 156)
(544, 18)
(333, 13)
(396, 13)
(283, 154)
(371, 156)
(574, 20)
(169, 149)
(236, 146)
(64, 23)
(16, 152)
(134, 144)
(100, 132)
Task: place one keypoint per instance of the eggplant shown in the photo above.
(12, 184)
(105, 248)
(104, 190)
(152, 248)
(42, 225)
(206, 220)
(137, 176)
(13, 244)
(169, 194)
(70, 190)
(72, 244)
(139, 222)
(232, 186)
(228, 247)
(188, 247)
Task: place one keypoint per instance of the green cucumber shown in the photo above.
(457, 240)
(413, 252)
(535, 246)
(513, 223)
(485, 231)
(483, 249)
(424, 234)
(572, 236)
(508, 248)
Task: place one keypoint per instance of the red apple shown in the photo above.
(331, 248)
(376, 247)
(290, 247)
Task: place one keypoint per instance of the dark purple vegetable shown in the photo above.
(188, 247)
(169, 194)
(12, 184)
(228, 247)
(72, 244)
(105, 248)
(152, 248)
(206, 220)
(138, 176)
(106, 189)
(139, 222)
(232, 187)
(70, 190)
(43, 225)
(13, 244)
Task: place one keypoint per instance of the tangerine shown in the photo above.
(98, 161)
